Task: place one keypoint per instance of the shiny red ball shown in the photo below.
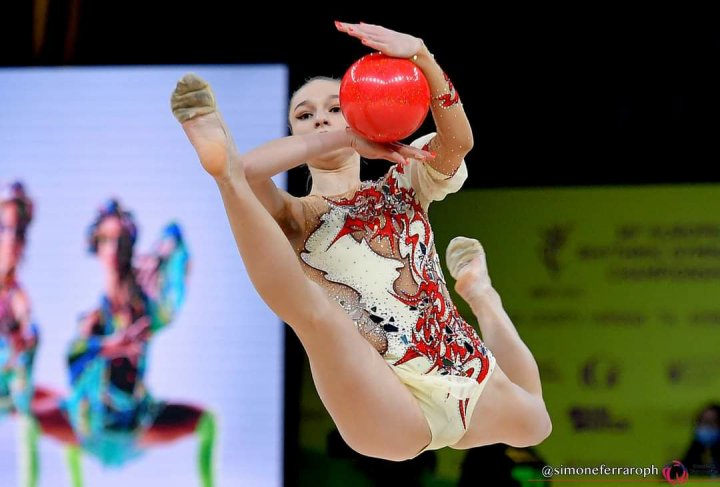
(384, 99)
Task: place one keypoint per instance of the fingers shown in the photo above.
(131, 351)
(348, 28)
(413, 152)
(397, 158)
(372, 36)
(361, 30)
(139, 327)
(356, 34)
(378, 46)
(139, 330)
(371, 29)
(375, 150)
(374, 27)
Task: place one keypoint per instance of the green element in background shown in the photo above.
(524, 475)
(615, 291)
(207, 432)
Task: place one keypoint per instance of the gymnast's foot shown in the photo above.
(465, 258)
(193, 104)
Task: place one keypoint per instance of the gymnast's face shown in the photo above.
(10, 245)
(315, 108)
(110, 235)
(710, 418)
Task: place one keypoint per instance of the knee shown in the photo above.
(543, 430)
(383, 450)
(534, 431)
(384, 453)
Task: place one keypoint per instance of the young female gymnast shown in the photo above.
(352, 268)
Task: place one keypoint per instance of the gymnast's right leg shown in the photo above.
(387, 421)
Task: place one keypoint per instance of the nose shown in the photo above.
(110, 245)
(321, 121)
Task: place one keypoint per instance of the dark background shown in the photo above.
(557, 96)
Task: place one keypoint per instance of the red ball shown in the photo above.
(384, 99)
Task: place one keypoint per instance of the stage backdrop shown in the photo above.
(78, 136)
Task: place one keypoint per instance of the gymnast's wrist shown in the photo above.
(422, 56)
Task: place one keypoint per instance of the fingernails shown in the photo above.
(338, 24)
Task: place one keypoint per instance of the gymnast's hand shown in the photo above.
(393, 152)
(121, 347)
(138, 331)
(129, 342)
(388, 42)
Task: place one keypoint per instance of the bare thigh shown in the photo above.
(374, 411)
(506, 413)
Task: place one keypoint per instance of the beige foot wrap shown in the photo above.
(192, 98)
(460, 252)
